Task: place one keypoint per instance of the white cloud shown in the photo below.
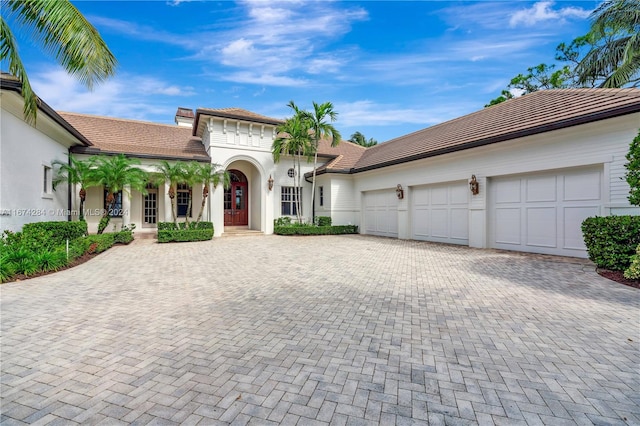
(126, 96)
(369, 113)
(543, 11)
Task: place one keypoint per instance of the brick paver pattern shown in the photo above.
(320, 330)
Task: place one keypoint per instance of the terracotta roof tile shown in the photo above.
(536, 112)
(346, 155)
(116, 135)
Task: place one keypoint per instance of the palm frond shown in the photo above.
(9, 52)
(65, 34)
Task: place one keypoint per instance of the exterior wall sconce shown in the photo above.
(399, 192)
(474, 186)
(270, 183)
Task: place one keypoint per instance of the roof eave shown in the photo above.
(208, 113)
(16, 86)
(589, 118)
(97, 151)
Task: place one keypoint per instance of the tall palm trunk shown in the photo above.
(298, 191)
(189, 204)
(83, 197)
(205, 194)
(313, 180)
(172, 197)
(106, 217)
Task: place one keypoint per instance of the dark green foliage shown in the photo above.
(99, 243)
(323, 220)
(612, 240)
(282, 221)
(633, 272)
(168, 231)
(316, 230)
(59, 231)
(51, 260)
(633, 171)
(123, 237)
(7, 269)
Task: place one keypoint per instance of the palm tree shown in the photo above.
(116, 173)
(75, 172)
(293, 139)
(321, 129)
(174, 174)
(617, 24)
(210, 174)
(191, 177)
(63, 32)
(359, 139)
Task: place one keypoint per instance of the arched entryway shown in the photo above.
(236, 200)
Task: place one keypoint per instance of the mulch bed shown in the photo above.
(80, 260)
(618, 276)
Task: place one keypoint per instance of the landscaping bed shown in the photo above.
(182, 232)
(41, 248)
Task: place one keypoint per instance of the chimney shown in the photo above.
(184, 117)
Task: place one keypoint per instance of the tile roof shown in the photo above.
(345, 156)
(534, 113)
(136, 138)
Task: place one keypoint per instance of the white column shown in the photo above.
(217, 210)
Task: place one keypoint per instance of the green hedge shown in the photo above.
(612, 240)
(323, 220)
(61, 231)
(123, 237)
(316, 230)
(168, 232)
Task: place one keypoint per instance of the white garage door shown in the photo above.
(381, 213)
(542, 213)
(440, 213)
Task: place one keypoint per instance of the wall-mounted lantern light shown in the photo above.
(270, 183)
(399, 192)
(474, 186)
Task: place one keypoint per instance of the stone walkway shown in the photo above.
(320, 330)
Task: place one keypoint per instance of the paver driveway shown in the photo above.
(341, 330)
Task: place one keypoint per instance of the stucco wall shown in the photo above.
(24, 150)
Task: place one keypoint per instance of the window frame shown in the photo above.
(321, 195)
(289, 192)
(181, 190)
(47, 180)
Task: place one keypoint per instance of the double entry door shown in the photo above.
(236, 211)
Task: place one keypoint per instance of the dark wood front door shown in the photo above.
(236, 206)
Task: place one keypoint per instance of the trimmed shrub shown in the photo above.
(58, 232)
(611, 240)
(99, 242)
(168, 232)
(323, 220)
(633, 271)
(123, 237)
(282, 221)
(316, 230)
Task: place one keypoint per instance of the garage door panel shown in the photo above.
(460, 224)
(381, 213)
(582, 186)
(507, 191)
(460, 195)
(439, 196)
(572, 220)
(509, 230)
(440, 223)
(440, 213)
(421, 222)
(543, 213)
(541, 227)
(541, 189)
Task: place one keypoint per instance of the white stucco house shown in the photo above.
(540, 165)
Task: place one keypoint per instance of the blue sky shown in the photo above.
(390, 68)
